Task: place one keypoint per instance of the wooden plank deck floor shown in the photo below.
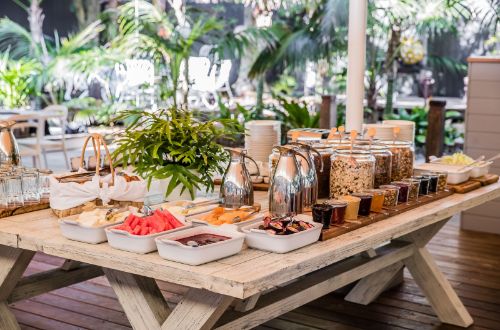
(471, 261)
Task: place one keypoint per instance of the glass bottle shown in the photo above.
(403, 156)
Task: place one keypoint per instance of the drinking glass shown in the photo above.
(30, 186)
(3, 192)
(44, 184)
(14, 185)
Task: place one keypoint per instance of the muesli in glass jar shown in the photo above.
(351, 171)
(403, 157)
(383, 163)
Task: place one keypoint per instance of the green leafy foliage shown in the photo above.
(419, 116)
(296, 115)
(171, 144)
(17, 81)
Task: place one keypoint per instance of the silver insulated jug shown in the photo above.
(308, 172)
(9, 151)
(236, 189)
(285, 191)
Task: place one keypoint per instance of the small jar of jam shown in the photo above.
(391, 195)
(414, 188)
(322, 213)
(424, 185)
(338, 214)
(365, 203)
(433, 182)
(404, 191)
(352, 209)
(378, 196)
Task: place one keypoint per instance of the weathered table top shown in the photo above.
(242, 275)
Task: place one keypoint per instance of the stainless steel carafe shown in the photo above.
(236, 189)
(9, 150)
(308, 172)
(285, 191)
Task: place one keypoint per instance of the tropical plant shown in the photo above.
(17, 81)
(296, 114)
(56, 54)
(419, 116)
(171, 144)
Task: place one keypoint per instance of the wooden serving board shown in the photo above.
(362, 221)
(7, 212)
(464, 187)
(256, 186)
(486, 179)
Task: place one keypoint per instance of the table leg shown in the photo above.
(13, 263)
(199, 309)
(437, 289)
(147, 309)
(140, 298)
(368, 289)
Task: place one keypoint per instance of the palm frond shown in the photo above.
(15, 38)
(81, 40)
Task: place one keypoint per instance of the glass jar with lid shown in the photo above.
(323, 176)
(403, 156)
(351, 171)
(383, 163)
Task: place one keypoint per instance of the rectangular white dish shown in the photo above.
(456, 175)
(476, 171)
(123, 240)
(170, 249)
(197, 221)
(259, 239)
(72, 229)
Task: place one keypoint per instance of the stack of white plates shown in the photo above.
(382, 131)
(407, 132)
(261, 137)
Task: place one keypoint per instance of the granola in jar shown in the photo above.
(350, 172)
(403, 157)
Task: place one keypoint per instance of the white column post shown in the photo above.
(356, 53)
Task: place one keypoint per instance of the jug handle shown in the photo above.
(256, 165)
(280, 148)
(244, 154)
(313, 150)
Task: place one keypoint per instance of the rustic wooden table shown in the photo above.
(374, 256)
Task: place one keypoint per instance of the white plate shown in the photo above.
(123, 240)
(259, 239)
(170, 249)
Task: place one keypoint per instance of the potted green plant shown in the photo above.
(170, 145)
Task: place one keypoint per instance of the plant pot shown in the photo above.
(156, 193)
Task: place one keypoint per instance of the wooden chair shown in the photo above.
(39, 144)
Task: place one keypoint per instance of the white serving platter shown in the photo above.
(261, 240)
(123, 240)
(73, 229)
(170, 249)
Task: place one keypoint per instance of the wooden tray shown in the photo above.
(473, 184)
(486, 179)
(351, 225)
(24, 209)
(256, 186)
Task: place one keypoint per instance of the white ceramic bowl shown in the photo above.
(261, 240)
(72, 229)
(170, 249)
(456, 173)
(480, 169)
(123, 240)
